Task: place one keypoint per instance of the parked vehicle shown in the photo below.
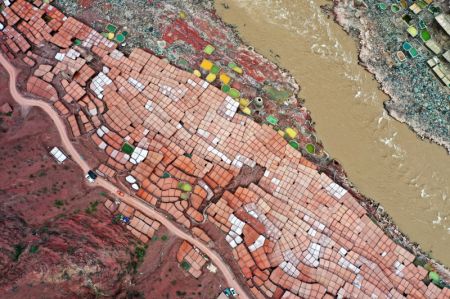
(230, 292)
(91, 176)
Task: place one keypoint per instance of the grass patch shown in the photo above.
(18, 250)
(127, 148)
(92, 209)
(279, 96)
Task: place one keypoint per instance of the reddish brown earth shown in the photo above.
(58, 243)
(51, 246)
(160, 275)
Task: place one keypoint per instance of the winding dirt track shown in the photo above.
(128, 199)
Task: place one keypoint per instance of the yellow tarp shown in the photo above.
(210, 78)
(225, 78)
(291, 132)
(206, 65)
(197, 73)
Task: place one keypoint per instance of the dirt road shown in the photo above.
(128, 199)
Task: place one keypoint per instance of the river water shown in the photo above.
(382, 157)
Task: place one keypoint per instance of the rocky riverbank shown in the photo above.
(418, 98)
(355, 18)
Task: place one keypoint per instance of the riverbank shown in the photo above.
(417, 97)
(385, 181)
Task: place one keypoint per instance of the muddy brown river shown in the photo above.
(384, 159)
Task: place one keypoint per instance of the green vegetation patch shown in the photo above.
(127, 148)
(18, 250)
(58, 203)
(310, 148)
(137, 257)
(34, 248)
(185, 265)
(92, 208)
(277, 95)
(140, 251)
(164, 237)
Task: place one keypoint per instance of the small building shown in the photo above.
(58, 155)
(446, 55)
(433, 46)
(444, 20)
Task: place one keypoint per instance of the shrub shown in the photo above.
(18, 250)
(34, 249)
(92, 207)
(58, 203)
(139, 251)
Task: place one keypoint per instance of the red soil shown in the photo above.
(160, 275)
